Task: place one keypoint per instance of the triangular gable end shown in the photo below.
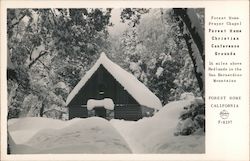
(130, 83)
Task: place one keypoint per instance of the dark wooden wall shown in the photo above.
(126, 107)
(128, 112)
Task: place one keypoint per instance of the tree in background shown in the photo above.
(168, 68)
(173, 40)
(192, 120)
(48, 46)
(193, 34)
(51, 48)
(133, 15)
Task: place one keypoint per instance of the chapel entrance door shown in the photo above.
(100, 112)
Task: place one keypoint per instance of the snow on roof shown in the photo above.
(134, 87)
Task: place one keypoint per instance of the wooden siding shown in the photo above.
(128, 112)
(78, 112)
(103, 85)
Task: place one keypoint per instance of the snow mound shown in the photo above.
(97, 135)
(23, 129)
(91, 135)
(156, 134)
(107, 103)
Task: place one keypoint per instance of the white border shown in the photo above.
(213, 151)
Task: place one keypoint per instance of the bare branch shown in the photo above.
(53, 15)
(18, 21)
(45, 66)
(42, 53)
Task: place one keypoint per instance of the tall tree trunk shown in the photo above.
(42, 110)
(191, 20)
(198, 74)
(195, 35)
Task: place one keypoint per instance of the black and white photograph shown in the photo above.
(105, 81)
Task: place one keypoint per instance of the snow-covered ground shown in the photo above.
(156, 134)
(97, 135)
(91, 135)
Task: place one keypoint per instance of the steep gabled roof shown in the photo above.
(134, 87)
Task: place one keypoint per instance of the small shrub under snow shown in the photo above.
(192, 118)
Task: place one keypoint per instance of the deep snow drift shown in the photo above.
(97, 135)
(91, 135)
(156, 134)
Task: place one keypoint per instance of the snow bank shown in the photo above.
(156, 134)
(107, 103)
(91, 135)
(97, 135)
(23, 129)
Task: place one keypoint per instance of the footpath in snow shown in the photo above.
(96, 135)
